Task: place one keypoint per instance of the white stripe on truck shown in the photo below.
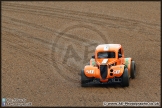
(104, 60)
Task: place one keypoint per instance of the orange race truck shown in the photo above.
(108, 65)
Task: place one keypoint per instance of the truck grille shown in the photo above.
(103, 71)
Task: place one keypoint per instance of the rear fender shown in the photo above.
(91, 71)
(127, 62)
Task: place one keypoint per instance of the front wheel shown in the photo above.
(84, 79)
(125, 78)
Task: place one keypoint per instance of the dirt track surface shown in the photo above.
(37, 35)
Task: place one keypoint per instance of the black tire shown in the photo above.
(133, 69)
(125, 78)
(84, 79)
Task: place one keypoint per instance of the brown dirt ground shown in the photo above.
(32, 66)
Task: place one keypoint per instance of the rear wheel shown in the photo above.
(125, 78)
(133, 69)
(84, 79)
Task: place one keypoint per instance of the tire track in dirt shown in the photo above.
(42, 28)
(138, 26)
(16, 48)
(100, 16)
(73, 12)
(28, 50)
(22, 50)
(32, 53)
(144, 31)
(28, 38)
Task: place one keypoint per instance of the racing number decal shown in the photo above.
(90, 71)
(116, 71)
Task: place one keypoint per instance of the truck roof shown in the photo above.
(107, 47)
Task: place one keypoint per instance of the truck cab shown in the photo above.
(107, 54)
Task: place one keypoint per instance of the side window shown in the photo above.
(119, 53)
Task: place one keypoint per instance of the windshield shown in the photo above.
(106, 55)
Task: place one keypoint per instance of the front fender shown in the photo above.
(91, 71)
(117, 71)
